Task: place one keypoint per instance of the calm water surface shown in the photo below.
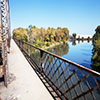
(80, 53)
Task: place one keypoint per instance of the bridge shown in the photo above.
(28, 72)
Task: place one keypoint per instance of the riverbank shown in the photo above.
(52, 45)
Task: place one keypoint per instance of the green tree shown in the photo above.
(66, 33)
(29, 32)
(59, 33)
(88, 39)
(82, 39)
(49, 33)
(96, 50)
(74, 35)
(20, 33)
(41, 36)
(52, 34)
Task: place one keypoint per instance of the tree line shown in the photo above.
(41, 36)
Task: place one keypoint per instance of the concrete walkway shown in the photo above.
(26, 85)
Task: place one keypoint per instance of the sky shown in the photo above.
(79, 16)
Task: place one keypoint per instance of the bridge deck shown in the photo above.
(25, 85)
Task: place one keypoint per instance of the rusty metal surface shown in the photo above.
(70, 80)
(4, 34)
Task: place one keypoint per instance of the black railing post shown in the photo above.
(41, 61)
(19, 43)
(29, 50)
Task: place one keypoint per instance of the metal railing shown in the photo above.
(69, 80)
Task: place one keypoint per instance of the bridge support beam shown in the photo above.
(5, 35)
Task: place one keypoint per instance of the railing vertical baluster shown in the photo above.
(29, 48)
(41, 61)
(22, 45)
(19, 43)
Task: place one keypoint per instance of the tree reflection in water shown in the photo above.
(74, 42)
(60, 49)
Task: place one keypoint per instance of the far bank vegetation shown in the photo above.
(42, 37)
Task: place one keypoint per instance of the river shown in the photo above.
(80, 53)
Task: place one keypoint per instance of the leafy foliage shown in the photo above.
(74, 35)
(96, 50)
(20, 33)
(42, 36)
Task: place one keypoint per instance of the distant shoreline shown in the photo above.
(84, 35)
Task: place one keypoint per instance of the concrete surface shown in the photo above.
(25, 85)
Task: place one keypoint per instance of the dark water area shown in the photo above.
(79, 53)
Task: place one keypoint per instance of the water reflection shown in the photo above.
(74, 42)
(79, 41)
(60, 49)
(76, 51)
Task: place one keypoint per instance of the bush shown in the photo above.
(37, 45)
(82, 38)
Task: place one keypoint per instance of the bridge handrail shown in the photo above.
(54, 67)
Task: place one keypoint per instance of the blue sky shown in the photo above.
(79, 16)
